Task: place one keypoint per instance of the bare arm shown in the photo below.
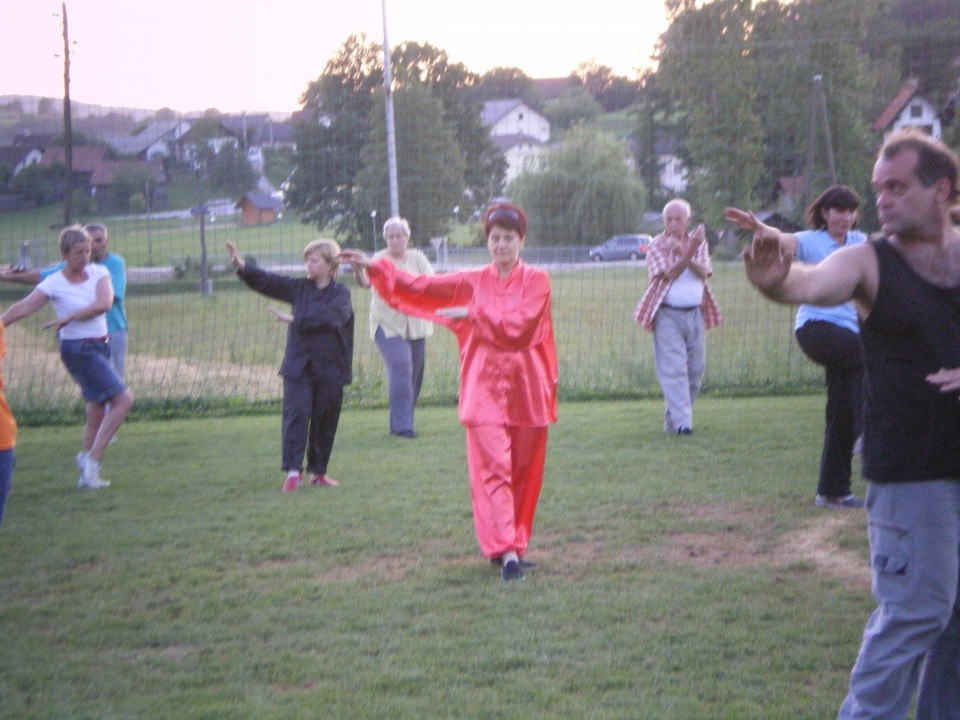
(748, 221)
(23, 308)
(947, 380)
(23, 277)
(234, 254)
(850, 273)
(360, 275)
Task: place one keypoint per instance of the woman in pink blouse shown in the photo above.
(500, 315)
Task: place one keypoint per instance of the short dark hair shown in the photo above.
(92, 228)
(838, 197)
(934, 159)
(505, 215)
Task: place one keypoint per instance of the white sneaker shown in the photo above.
(82, 459)
(90, 477)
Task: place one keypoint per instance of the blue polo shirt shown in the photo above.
(116, 317)
(812, 247)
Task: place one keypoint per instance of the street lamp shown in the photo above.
(373, 223)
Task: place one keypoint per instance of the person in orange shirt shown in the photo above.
(500, 315)
(8, 437)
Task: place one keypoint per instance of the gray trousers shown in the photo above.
(405, 362)
(679, 354)
(118, 351)
(914, 634)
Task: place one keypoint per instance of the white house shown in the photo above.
(519, 131)
(906, 110)
(674, 176)
(521, 152)
(515, 117)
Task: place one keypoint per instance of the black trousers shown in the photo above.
(311, 413)
(838, 350)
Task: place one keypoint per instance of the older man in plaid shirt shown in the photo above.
(678, 307)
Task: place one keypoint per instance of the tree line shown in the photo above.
(732, 89)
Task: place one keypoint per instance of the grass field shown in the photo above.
(688, 578)
(185, 347)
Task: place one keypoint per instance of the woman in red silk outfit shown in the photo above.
(500, 315)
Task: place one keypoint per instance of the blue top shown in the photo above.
(116, 317)
(812, 247)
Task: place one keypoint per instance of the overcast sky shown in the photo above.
(243, 55)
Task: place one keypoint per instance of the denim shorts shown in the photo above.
(88, 362)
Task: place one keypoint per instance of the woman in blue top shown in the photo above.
(830, 336)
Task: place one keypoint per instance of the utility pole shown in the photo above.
(391, 134)
(818, 109)
(67, 123)
(206, 283)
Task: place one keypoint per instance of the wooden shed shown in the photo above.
(258, 208)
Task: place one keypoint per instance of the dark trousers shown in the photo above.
(311, 412)
(838, 350)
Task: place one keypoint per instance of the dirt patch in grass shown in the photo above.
(726, 538)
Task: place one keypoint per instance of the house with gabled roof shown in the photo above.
(519, 131)
(85, 161)
(107, 172)
(258, 208)
(908, 109)
(159, 139)
(514, 117)
(17, 157)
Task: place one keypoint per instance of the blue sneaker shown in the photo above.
(848, 501)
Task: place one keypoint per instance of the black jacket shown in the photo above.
(320, 338)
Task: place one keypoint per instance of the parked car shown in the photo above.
(621, 247)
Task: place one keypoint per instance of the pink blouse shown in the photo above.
(508, 362)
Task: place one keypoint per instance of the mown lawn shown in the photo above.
(676, 577)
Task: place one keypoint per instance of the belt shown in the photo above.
(104, 339)
(681, 309)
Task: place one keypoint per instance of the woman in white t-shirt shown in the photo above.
(81, 293)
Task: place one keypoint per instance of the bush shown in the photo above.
(137, 203)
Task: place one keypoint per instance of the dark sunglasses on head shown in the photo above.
(504, 213)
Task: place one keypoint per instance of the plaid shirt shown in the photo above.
(660, 255)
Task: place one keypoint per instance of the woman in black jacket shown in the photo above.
(318, 359)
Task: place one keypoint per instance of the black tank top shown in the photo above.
(911, 429)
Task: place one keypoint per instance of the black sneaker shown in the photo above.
(511, 571)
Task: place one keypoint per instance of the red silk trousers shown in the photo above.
(505, 464)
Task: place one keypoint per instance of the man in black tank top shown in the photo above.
(906, 287)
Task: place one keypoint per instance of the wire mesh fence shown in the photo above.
(758, 105)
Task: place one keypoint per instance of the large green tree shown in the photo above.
(338, 111)
(429, 164)
(334, 128)
(230, 171)
(483, 165)
(790, 45)
(575, 105)
(613, 92)
(704, 74)
(583, 192)
(506, 83)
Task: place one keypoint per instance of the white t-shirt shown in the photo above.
(67, 297)
(686, 291)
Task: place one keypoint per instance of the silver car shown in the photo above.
(621, 247)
